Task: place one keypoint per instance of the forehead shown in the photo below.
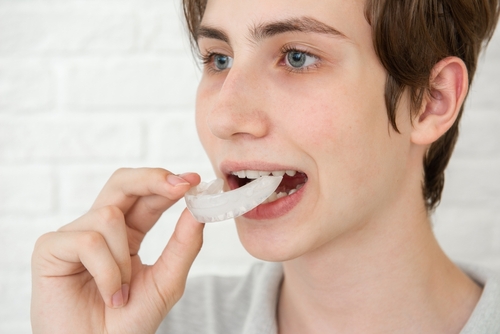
(241, 18)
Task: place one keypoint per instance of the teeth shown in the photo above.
(253, 174)
(273, 197)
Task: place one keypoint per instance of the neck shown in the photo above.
(387, 276)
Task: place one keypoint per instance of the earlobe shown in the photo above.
(441, 105)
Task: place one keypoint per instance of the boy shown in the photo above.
(358, 103)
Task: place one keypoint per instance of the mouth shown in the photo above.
(292, 181)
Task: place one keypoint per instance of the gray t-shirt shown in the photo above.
(247, 305)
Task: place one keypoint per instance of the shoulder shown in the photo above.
(214, 304)
(486, 315)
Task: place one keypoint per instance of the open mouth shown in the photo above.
(291, 183)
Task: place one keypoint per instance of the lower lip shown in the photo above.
(276, 209)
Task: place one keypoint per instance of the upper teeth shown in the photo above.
(253, 174)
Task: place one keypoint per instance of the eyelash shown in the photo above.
(286, 49)
(207, 60)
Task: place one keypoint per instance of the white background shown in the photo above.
(89, 86)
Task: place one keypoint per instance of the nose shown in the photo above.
(239, 109)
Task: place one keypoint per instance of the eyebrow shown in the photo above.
(259, 32)
(212, 33)
(301, 24)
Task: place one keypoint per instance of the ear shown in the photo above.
(441, 105)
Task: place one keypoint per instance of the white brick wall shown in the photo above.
(90, 86)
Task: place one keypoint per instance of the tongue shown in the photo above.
(291, 182)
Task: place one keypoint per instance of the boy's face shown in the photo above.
(296, 85)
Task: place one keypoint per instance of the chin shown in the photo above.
(265, 242)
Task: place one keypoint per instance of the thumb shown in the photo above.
(171, 269)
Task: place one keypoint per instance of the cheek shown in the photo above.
(335, 125)
(330, 112)
(348, 136)
(203, 103)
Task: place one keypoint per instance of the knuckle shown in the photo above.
(174, 293)
(91, 239)
(120, 172)
(160, 173)
(170, 295)
(178, 292)
(43, 240)
(152, 209)
(111, 215)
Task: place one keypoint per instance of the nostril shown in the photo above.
(221, 127)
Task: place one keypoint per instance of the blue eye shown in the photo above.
(299, 59)
(296, 59)
(223, 62)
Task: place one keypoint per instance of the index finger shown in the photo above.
(126, 185)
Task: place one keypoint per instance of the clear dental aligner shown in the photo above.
(209, 204)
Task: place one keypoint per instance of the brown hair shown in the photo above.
(410, 37)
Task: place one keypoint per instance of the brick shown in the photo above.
(18, 233)
(465, 232)
(173, 138)
(16, 296)
(70, 139)
(26, 189)
(26, 85)
(131, 83)
(478, 137)
(161, 28)
(79, 186)
(66, 27)
(472, 180)
(485, 87)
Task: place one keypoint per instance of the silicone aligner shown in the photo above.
(209, 204)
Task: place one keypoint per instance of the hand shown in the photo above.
(88, 277)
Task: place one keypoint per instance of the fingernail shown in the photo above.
(186, 174)
(176, 180)
(125, 293)
(117, 299)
